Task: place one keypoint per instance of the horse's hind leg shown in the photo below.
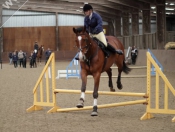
(119, 84)
(110, 84)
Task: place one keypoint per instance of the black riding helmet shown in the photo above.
(87, 7)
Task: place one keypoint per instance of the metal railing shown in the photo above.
(148, 40)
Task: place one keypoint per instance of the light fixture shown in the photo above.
(169, 9)
(171, 3)
(153, 7)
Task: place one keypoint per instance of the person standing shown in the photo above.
(47, 54)
(134, 53)
(24, 59)
(10, 58)
(20, 57)
(15, 59)
(34, 55)
(31, 60)
(16, 51)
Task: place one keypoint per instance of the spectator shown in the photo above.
(16, 51)
(20, 57)
(15, 59)
(24, 59)
(134, 53)
(31, 60)
(10, 58)
(34, 55)
(48, 53)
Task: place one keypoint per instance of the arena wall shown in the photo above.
(23, 38)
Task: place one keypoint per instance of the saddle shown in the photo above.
(106, 50)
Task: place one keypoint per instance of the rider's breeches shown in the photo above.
(101, 37)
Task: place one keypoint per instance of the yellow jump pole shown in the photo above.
(101, 92)
(132, 76)
(137, 67)
(103, 106)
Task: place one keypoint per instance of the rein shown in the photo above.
(87, 46)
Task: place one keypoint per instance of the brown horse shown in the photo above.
(93, 62)
(40, 53)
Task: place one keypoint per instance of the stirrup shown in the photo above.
(120, 52)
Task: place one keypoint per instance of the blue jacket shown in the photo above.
(15, 58)
(34, 56)
(48, 53)
(94, 25)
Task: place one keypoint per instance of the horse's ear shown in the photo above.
(74, 30)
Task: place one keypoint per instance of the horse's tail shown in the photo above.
(126, 69)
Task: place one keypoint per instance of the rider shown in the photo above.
(93, 23)
(36, 47)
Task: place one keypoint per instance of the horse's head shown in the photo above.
(42, 48)
(83, 42)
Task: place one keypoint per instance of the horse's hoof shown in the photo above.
(94, 113)
(112, 89)
(120, 87)
(80, 105)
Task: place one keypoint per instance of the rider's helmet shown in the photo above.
(87, 7)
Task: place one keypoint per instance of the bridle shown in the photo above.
(87, 47)
(80, 38)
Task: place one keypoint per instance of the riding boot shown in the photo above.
(113, 50)
(105, 51)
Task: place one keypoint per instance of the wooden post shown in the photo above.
(161, 21)
(56, 33)
(1, 37)
(146, 23)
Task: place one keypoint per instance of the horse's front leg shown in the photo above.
(83, 89)
(95, 93)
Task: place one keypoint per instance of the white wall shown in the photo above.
(11, 18)
(36, 19)
(27, 18)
